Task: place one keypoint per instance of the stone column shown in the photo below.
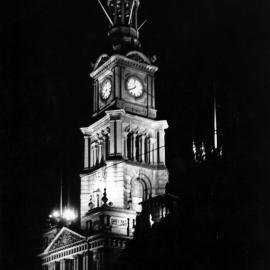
(143, 148)
(125, 134)
(86, 152)
(99, 152)
(76, 263)
(134, 146)
(94, 154)
(112, 138)
(103, 149)
(85, 261)
(62, 264)
(138, 148)
(117, 82)
(118, 135)
(153, 150)
(162, 146)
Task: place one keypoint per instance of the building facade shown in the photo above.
(124, 152)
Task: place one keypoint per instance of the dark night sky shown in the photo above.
(46, 53)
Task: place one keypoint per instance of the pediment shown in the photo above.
(139, 57)
(101, 60)
(64, 238)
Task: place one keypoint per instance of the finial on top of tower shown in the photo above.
(104, 198)
(123, 29)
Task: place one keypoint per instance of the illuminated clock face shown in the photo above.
(134, 87)
(106, 89)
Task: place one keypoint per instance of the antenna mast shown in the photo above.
(142, 24)
(106, 13)
(130, 16)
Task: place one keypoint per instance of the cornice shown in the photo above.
(122, 60)
(142, 121)
(96, 126)
(126, 117)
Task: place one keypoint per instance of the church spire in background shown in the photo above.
(216, 150)
(201, 154)
(215, 124)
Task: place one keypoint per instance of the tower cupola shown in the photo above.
(123, 30)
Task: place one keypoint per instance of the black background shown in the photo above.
(46, 95)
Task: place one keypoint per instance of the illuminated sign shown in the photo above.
(115, 221)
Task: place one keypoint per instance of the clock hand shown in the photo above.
(132, 88)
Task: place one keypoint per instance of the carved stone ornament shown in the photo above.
(66, 238)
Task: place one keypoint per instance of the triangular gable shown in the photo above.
(65, 237)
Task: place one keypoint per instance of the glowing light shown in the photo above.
(55, 214)
(151, 220)
(69, 214)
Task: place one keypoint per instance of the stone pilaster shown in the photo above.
(118, 135)
(143, 148)
(125, 134)
(134, 146)
(85, 261)
(153, 150)
(94, 154)
(86, 152)
(100, 152)
(162, 146)
(112, 138)
(62, 264)
(76, 263)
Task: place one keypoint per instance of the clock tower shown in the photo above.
(124, 154)
(124, 146)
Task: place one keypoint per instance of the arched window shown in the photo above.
(140, 191)
(137, 193)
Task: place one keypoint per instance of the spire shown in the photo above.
(217, 150)
(123, 24)
(215, 125)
